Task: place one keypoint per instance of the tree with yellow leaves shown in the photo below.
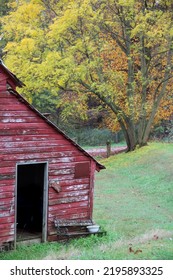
(120, 51)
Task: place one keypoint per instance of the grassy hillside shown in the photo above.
(133, 203)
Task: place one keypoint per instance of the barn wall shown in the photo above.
(26, 137)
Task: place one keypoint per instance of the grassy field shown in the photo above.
(133, 203)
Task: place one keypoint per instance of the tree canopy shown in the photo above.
(120, 52)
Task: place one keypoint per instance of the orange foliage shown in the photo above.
(115, 60)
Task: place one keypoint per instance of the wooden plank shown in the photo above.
(71, 183)
(7, 170)
(6, 213)
(3, 88)
(52, 238)
(4, 185)
(25, 131)
(21, 113)
(82, 234)
(29, 131)
(7, 176)
(6, 182)
(91, 194)
(68, 159)
(36, 143)
(45, 155)
(12, 163)
(66, 150)
(9, 101)
(70, 215)
(79, 233)
(14, 107)
(7, 163)
(66, 206)
(7, 226)
(61, 165)
(7, 219)
(72, 223)
(9, 95)
(51, 221)
(6, 203)
(7, 232)
(63, 177)
(53, 193)
(12, 146)
(61, 171)
(63, 213)
(41, 137)
(63, 194)
(6, 94)
(67, 200)
(6, 195)
(9, 126)
(7, 189)
(45, 204)
(84, 187)
(18, 119)
(51, 226)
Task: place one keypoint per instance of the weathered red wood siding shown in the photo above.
(26, 137)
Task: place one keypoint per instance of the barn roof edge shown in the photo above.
(12, 76)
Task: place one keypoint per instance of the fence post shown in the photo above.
(108, 147)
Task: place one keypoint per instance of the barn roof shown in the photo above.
(23, 100)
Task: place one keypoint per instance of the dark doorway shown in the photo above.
(30, 200)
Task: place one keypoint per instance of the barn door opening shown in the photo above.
(31, 201)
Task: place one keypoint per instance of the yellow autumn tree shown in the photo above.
(119, 51)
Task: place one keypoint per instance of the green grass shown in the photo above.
(133, 203)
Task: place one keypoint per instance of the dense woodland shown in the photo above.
(94, 63)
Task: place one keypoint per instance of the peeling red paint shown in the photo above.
(26, 136)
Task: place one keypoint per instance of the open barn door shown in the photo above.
(31, 201)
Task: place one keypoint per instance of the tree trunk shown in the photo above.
(129, 135)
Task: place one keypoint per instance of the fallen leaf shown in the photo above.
(138, 251)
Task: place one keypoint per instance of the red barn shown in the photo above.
(45, 177)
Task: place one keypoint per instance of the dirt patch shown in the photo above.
(141, 239)
(152, 235)
(102, 152)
